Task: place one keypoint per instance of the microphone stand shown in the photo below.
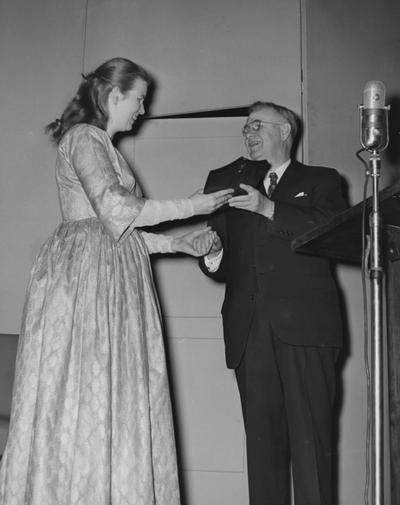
(376, 281)
(374, 138)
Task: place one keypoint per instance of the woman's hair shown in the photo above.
(89, 105)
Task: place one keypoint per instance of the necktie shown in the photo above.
(273, 180)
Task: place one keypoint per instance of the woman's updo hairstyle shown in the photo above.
(89, 105)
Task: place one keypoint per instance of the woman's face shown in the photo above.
(124, 109)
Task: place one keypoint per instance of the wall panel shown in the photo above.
(203, 54)
(348, 44)
(41, 57)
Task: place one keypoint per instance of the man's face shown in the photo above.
(263, 136)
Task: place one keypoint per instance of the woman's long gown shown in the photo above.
(91, 418)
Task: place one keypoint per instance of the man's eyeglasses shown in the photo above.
(255, 125)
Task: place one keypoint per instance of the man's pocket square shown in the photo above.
(300, 194)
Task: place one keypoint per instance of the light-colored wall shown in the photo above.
(41, 60)
(203, 55)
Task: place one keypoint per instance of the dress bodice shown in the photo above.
(87, 165)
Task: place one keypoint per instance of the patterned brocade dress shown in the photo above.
(91, 418)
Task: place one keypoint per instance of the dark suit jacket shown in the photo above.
(295, 292)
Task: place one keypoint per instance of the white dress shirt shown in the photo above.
(279, 172)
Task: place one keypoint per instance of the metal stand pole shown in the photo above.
(376, 278)
(374, 138)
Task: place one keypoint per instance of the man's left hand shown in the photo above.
(254, 201)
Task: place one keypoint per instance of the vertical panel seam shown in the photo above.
(84, 36)
(303, 80)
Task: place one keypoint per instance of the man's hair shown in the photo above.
(290, 116)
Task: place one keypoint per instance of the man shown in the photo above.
(281, 318)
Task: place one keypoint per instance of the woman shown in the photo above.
(91, 418)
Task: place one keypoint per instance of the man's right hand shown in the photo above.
(216, 247)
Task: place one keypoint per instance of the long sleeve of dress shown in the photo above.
(157, 243)
(158, 211)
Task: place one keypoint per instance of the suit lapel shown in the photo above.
(291, 177)
(254, 173)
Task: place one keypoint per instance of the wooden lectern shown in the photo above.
(341, 239)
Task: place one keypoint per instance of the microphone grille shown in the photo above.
(374, 95)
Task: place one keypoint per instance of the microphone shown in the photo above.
(374, 117)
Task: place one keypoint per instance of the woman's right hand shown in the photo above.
(196, 243)
(206, 204)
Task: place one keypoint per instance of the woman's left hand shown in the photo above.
(208, 203)
(196, 243)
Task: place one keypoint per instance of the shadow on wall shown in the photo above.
(8, 352)
(341, 363)
(393, 149)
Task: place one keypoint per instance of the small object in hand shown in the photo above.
(242, 170)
